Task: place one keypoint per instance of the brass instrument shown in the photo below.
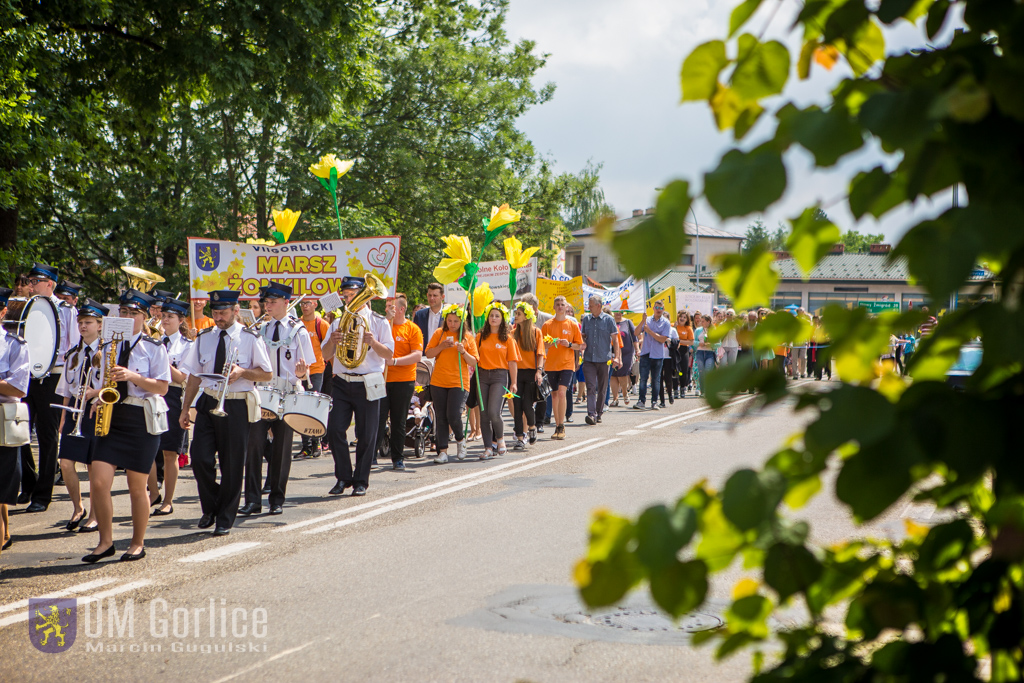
(144, 281)
(109, 395)
(352, 351)
(232, 357)
(80, 403)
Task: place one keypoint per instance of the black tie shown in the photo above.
(167, 341)
(222, 356)
(86, 365)
(122, 360)
(277, 330)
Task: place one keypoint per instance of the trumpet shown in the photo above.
(80, 402)
(232, 357)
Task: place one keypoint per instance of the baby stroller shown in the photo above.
(419, 426)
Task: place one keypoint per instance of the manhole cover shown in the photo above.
(651, 621)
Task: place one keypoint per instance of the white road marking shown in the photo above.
(452, 489)
(218, 553)
(80, 588)
(23, 616)
(423, 489)
(279, 655)
(630, 432)
(676, 419)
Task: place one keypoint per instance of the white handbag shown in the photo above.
(14, 428)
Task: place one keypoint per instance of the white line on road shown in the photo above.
(423, 489)
(452, 489)
(80, 588)
(630, 432)
(217, 553)
(675, 419)
(279, 655)
(23, 616)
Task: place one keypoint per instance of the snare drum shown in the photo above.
(271, 403)
(40, 326)
(306, 412)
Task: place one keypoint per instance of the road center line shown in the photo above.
(424, 489)
(279, 655)
(80, 588)
(452, 489)
(217, 553)
(703, 411)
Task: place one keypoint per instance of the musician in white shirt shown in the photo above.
(291, 353)
(14, 376)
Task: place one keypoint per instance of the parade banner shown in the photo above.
(572, 290)
(692, 302)
(311, 268)
(495, 274)
(667, 297)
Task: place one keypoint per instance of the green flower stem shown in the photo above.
(337, 213)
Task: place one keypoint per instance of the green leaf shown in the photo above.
(790, 569)
(811, 239)
(661, 534)
(900, 119)
(828, 135)
(875, 192)
(748, 279)
(864, 48)
(801, 492)
(656, 242)
(720, 540)
(334, 179)
(741, 14)
(699, 77)
(745, 182)
(859, 484)
(939, 256)
(853, 414)
(803, 63)
(750, 497)
(750, 614)
(726, 106)
(937, 17)
(680, 587)
(733, 643)
(746, 120)
(966, 100)
(944, 545)
(891, 10)
(845, 21)
(608, 581)
(781, 328)
(761, 68)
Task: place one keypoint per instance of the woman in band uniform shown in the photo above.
(13, 386)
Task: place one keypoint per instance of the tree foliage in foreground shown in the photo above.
(947, 602)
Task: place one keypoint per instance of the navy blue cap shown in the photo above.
(171, 305)
(44, 270)
(352, 282)
(276, 290)
(5, 294)
(161, 295)
(223, 298)
(67, 287)
(133, 298)
(91, 308)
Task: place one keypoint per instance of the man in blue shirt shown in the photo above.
(656, 331)
(601, 335)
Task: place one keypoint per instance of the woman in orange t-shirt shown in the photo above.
(447, 392)
(531, 347)
(499, 358)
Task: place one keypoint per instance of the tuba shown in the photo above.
(144, 281)
(352, 351)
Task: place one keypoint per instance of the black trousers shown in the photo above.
(220, 441)
(448, 404)
(350, 401)
(396, 406)
(526, 387)
(280, 461)
(39, 484)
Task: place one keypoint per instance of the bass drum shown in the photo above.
(40, 326)
(306, 412)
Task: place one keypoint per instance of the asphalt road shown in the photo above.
(460, 572)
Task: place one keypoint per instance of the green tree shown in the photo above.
(758, 237)
(946, 602)
(857, 243)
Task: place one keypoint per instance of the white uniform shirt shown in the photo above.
(381, 329)
(69, 336)
(293, 343)
(148, 358)
(71, 379)
(433, 322)
(202, 354)
(13, 364)
(177, 346)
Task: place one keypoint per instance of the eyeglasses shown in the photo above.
(37, 280)
(659, 308)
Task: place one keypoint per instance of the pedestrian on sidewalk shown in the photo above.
(652, 354)
(629, 348)
(684, 327)
(600, 334)
(400, 379)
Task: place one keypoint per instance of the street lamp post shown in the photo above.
(696, 258)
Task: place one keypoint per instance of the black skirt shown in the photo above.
(78, 448)
(175, 439)
(10, 474)
(128, 444)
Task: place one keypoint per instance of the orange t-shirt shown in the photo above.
(685, 332)
(446, 363)
(496, 354)
(529, 358)
(200, 324)
(561, 357)
(317, 328)
(408, 338)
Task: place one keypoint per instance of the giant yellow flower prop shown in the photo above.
(482, 296)
(459, 256)
(285, 222)
(327, 171)
(514, 254)
(502, 216)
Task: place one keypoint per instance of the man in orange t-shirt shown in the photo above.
(400, 377)
(562, 339)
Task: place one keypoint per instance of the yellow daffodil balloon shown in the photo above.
(482, 296)
(285, 222)
(322, 168)
(256, 240)
(459, 254)
(502, 216)
(515, 255)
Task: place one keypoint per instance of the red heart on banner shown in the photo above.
(381, 256)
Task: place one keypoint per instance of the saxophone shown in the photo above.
(109, 395)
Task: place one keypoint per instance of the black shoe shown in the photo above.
(654, 406)
(74, 522)
(359, 490)
(24, 498)
(205, 522)
(338, 489)
(221, 531)
(540, 430)
(159, 499)
(276, 509)
(87, 529)
(8, 544)
(93, 558)
(36, 507)
(59, 481)
(128, 557)
(250, 509)
(599, 419)
(591, 420)
(662, 405)
(161, 513)
(266, 489)
(398, 465)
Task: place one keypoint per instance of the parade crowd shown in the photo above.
(187, 389)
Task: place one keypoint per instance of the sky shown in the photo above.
(616, 69)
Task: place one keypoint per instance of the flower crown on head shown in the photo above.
(453, 308)
(496, 305)
(527, 310)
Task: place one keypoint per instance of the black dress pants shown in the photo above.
(280, 461)
(39, 484)
(220, 441)
(396, 406)
(350, 401)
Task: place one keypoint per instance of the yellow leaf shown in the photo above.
(745, 588)
(827, 56)
(915, 531)
(726, 106)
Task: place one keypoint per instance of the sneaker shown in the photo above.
(654, 406)
(398, 465)
(305, 453)
(540, 430)
(559, 432)
(519, 446)
(441, 459)
(638, 406)
(568, 419)
(533, 435)
(460, 451)
(662, 405)
(591, 420)
(599, 419)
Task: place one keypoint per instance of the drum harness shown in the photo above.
(280, 383)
